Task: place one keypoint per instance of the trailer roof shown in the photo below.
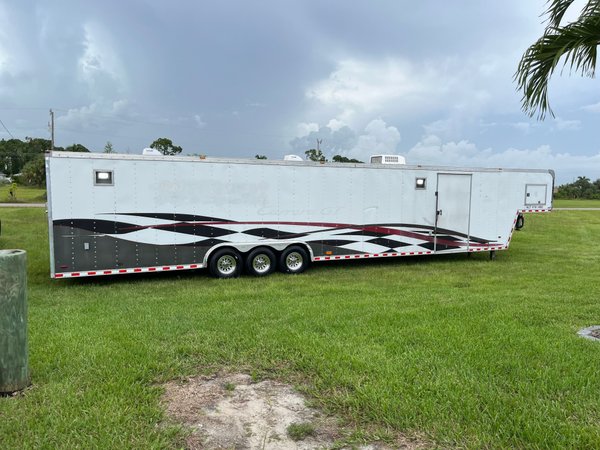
(281, 162)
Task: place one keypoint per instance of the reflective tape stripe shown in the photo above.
(93, 273)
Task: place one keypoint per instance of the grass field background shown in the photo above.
(576, 203)
(466, 352)
(24, 194)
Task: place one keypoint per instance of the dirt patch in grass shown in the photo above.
(232, 411)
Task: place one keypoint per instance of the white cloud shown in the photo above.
(459, 88)
(339, 139)
(99, 65)
(593, 108)
(433, 151)
(443, 126)
(15, 56)
(524, 127)
(336, 124)
(378, 138)
(567, 125)
(198, 120)
(94, 116)
(304, 129)
(368, 86)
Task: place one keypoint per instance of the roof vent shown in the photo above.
(151, 152)
(388, 159)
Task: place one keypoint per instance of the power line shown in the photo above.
(11, 136)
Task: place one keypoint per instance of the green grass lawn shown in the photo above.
(25, 194)
(467, 352)
(567, 203)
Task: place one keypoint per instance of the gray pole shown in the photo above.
(52, 130)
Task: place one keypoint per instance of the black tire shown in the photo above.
(260, 262)
(225, 263)
(520, 222)
(293, 259)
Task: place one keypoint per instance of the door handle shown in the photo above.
(439, 212)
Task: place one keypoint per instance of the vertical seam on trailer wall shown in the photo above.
(293, 185)
(94, 238)
(437, 208)
(154, 210)
(69, 164)
(228, 192)
(362, 209)
(195, 211)
(352, 172)
(135, 206)
(114, 211)
(277, 209)
(310, 190)
(212, 187)
(264, 176)
(470, 211)
(175, 182)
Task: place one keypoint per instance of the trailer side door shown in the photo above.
(453, 210)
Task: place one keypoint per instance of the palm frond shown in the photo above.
(591, 8)
(574, 44)
(556, 11)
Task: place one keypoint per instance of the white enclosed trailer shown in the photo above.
(114, 214)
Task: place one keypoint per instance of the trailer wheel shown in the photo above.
(260, 262)
(225, 263)
(293, 260)
(520, 222)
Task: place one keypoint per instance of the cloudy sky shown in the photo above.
(431, 80)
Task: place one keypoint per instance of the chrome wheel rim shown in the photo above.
(294, 261)
(261, 263)
(226, 264)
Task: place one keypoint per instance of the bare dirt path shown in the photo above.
(234, 412)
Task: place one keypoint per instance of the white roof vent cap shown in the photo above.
(292, 158)
(151, 152)
(388, 159)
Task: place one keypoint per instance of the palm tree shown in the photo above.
(577, 42)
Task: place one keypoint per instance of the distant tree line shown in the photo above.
(317, 155)
(166, 146)
(27, 158)
(15, 153)
(23, 161)
(582, 188)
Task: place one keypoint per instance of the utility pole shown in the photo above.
(51, 130)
